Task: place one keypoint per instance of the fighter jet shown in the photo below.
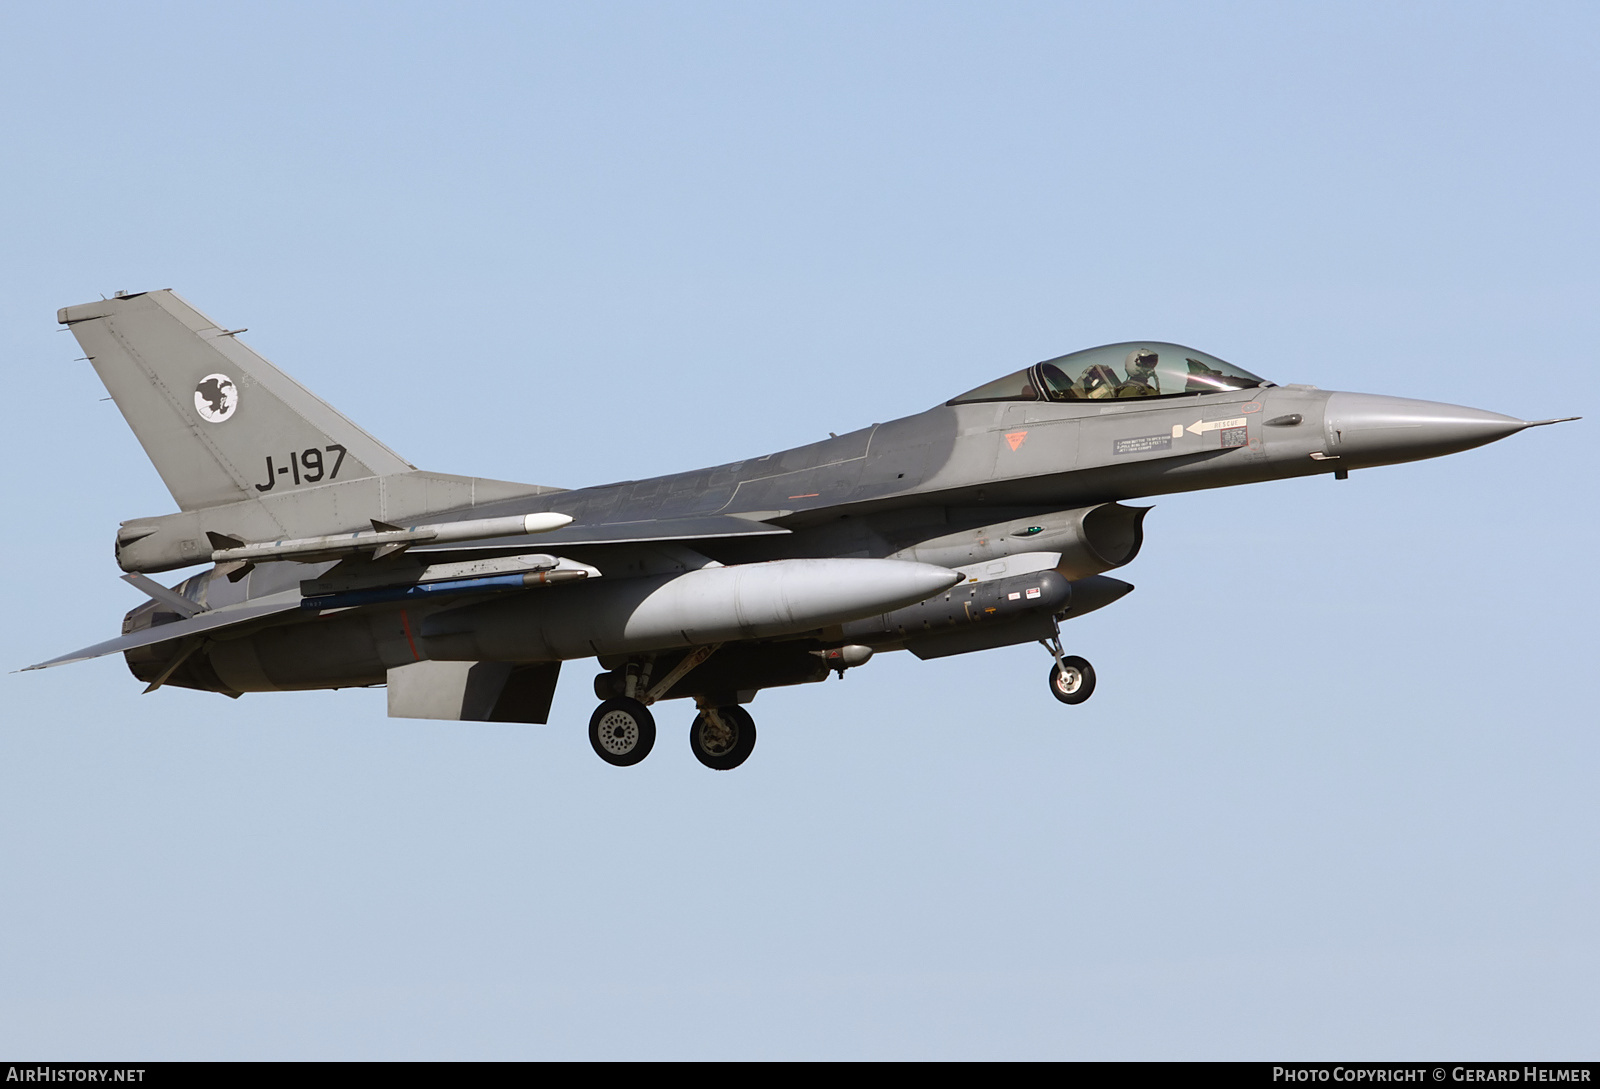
(330, 561)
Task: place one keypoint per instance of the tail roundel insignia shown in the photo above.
(215, 398)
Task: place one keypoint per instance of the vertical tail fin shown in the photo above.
(220, 423)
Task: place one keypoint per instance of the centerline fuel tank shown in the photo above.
(712, 604)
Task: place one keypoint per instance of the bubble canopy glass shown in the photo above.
(1140, 368)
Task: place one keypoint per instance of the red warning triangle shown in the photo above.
(1015, 438)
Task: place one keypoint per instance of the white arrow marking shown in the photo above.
(1215, 425)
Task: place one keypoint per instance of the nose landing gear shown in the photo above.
(1072, 680)
(1071, 677)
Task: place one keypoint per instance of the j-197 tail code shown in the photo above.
(305, 467)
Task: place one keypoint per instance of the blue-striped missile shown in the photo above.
(418, 591)
(382, 539)
(710, 605)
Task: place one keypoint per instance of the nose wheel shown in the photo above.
(722, 737)
(1072, 679)
(622, 731)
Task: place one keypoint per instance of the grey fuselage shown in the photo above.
(983, 522)
(883, 490)
(958, 485)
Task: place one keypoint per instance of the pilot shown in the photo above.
(1097, 382)
(1142, 380)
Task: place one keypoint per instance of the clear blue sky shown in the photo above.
(1335, 796)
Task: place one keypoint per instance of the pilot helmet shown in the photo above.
(1141, 363)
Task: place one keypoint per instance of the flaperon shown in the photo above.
(983, 522)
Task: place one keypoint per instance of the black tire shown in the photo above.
(1076, 685)
(622, 731)
(716, 749)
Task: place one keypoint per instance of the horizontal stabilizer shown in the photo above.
(159, 593)
(195, 625)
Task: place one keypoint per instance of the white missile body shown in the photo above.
(713, 604)
(383, 539)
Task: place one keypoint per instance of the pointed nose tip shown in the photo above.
(933, 579)
(1368, 429)
(1096, 592)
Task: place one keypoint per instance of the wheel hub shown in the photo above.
(717, 735)
(618, 733)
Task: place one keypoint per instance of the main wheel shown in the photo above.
(1075, 683)
(723, 746)
(622, 731)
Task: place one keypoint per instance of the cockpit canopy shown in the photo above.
(1116, 372)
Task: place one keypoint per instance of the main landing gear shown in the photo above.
(622, 730)
(722, 737)
(1071, 677)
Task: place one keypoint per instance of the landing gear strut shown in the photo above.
(1072, 677)
(722, 737)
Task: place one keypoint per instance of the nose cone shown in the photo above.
(1095, 592)
(1366, 429)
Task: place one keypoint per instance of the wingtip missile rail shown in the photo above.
(382, 540)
